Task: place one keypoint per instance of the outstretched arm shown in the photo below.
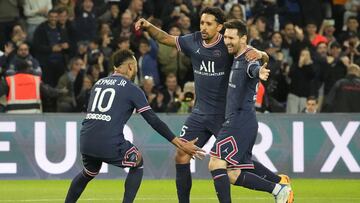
(156, 33)
(255, 54)
(188, 147)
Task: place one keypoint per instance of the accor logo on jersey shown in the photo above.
(208, 69)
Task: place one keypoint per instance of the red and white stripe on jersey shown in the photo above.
(143, 109)
(177, 43)
(212, 44)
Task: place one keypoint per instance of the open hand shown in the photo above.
(264, 72)
(190, 148)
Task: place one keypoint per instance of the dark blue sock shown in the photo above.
(132, 184)
(264, 172)
(222, 185)
(77, 186)
(183, 182)
(254, 182)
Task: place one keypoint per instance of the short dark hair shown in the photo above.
(351, 18)
(215, 11)
(312, 98)
(21, 65)
(122, 55)
(236, 24)
(53, 11)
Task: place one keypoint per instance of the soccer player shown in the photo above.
(112, 102)
(211, 64)
(231, 154)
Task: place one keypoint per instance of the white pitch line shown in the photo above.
(175, 199)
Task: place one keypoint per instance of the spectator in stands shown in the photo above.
(82, 99)
(67, 27)
(173, 61)
(147, 61)
(185, 24)
(123, 43)
(148, 86)
(301, 76)
(9, 51)
(352, 8)
(67, 103)
(136, 9)
(352, 45)
(18, 35)
(112, 17)
(35, 13)
(68, 6)
(311, 105)
(236, 12)
(24, 90)
(125, 30)
(188, 98)
(352, 26)
(51, 45)
(336, 68)
(312, 35)
(23, 53)
(85, 22)
(255, 39)
(327, 29)
(289, 34)
(9, 15)
(262, 27)
(173, 10)
(345, 94)
(168, 99)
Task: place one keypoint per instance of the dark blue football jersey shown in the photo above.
(243, 84)
(112, 102)
(211, 66)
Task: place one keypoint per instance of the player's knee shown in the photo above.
(233, 175)
(139, 161)
(181, 157)
(89, 174)
(216, 163)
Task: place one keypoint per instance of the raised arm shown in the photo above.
(156, 33)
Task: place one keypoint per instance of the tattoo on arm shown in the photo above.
(161, 36)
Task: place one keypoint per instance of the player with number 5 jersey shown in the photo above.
(211, 67)
(113, 100)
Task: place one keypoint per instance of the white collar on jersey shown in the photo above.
(214, 43)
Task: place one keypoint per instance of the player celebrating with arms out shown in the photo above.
(112, 102)
(231, 156)
(211, 66)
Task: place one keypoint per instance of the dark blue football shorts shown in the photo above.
(235, 141)
(129, 156)
(201, 126)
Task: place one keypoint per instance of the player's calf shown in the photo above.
(220, 176)
(183, 176)
(133, 180)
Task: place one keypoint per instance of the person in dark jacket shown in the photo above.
(301, 75)
(50, 47)
(345, 95)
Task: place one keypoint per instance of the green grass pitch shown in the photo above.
(306, 191)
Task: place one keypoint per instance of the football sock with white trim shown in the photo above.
(183, 182)
(222, 185)
(264, 172)
(132, 184)
(77, 186)
(254, 182)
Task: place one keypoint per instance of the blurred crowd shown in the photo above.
(314, 49)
